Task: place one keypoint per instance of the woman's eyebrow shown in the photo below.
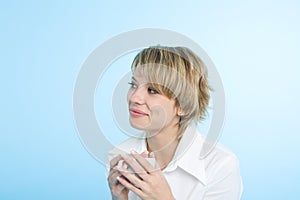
(134, 79)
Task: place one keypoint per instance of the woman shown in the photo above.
(169, 94)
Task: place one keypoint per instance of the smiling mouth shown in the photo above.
(137, 113)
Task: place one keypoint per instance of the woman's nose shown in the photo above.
(137, 95)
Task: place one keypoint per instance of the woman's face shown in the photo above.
(149, 110)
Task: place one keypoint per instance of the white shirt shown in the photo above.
(214, 177)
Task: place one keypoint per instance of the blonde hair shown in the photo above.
(179, 74)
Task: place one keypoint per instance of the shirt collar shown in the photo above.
(187, 154)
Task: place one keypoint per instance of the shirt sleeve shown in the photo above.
(225, 182)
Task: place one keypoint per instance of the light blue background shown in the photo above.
(254, 44)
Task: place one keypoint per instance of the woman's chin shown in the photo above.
(139, 125)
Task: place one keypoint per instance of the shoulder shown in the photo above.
(215, 154)
(205, 159)
(220, 163)
(222, 172)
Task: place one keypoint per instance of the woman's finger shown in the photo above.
(112, 179)
(135, 166)
(143, 162)
(115, 161)
(117, 189)
(130, 186)
(132, 178)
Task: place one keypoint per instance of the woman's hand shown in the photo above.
(118, 191)
(147, 182)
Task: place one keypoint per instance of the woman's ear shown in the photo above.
(180, 112)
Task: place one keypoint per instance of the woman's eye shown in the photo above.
(152, 91)
(132, 85)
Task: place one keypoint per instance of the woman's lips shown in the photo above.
(137, 113)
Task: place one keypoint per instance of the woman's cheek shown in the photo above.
(158, 117)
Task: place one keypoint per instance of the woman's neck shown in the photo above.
(163, 144)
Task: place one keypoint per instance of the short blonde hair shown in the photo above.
(179, 74)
